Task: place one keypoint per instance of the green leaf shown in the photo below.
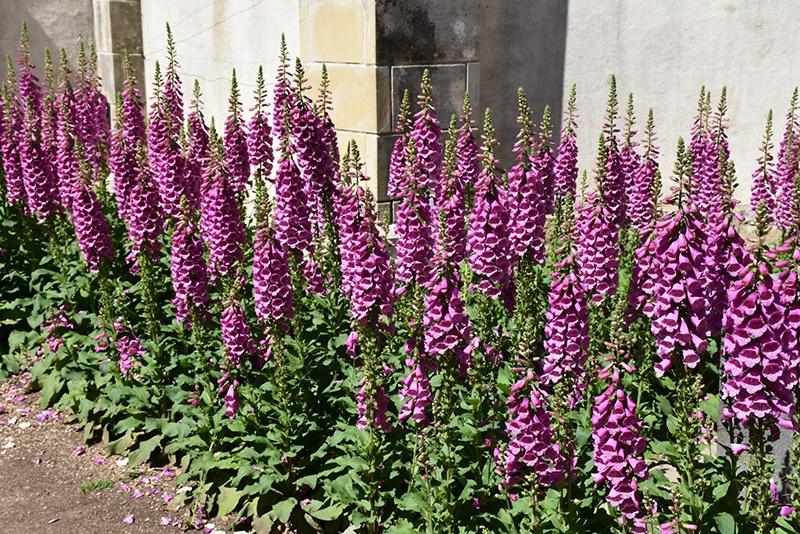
(227, 501)
(326, 514)
(721, 490)
(725, 523)
(142, 454)
(284, 509)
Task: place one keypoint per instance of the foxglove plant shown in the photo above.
(282, 96)
(451, 202)
(467, 152)
(489, 222)
(125, 164)
(91, 227)
(30, 93)
(566, 163)
(188, 270)
(785, 195)
(764, 175)
(173, 90)
(145, 224)
(259, 137)
(197, 150)
(427, 134)
(272, 285)
(629, 158)
(237, 160)
(9, 145)
(91, 110)
(41, 189)
(612, 188)
(641, 200)
(292, 216)
(397, 160)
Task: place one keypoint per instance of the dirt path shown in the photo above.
(51, 483)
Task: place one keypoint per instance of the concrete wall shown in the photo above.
(664, 52)
(214, 37)
(52, 24)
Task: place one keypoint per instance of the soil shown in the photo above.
(51, 482)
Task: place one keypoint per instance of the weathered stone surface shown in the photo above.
(426, 31)
(337, 30)
(449, 83)
(118, 26)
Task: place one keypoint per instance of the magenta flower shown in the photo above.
(427, 133)
(124, 160)
(531, 447)
(488, 237)
(188, 270)
(641, 195)
(259, 138)
(197, 151)
(416, 390)
(145, 224)
(89, 221)
(764, 175)
(785, 196)
(527, 186)
(397, 160)
(451, 200)
(372, 416)
(272, 286)
(467, 154)
(231, 400)
(292, 222)
(41, 189)
(130, 351)
(9, 147)
(413, 225)
(173, 90)
(597, 250)
(619, 450)
(91, 109)
(283, 96)
(629, 158)
(612, 187)
(235, 334)
(565, 168)
(237, 160)
(30, 93)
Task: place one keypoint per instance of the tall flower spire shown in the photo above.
(173, 90)
(67, 169)
(786, 214)
(9, 144)
(197, 150)
(641, 201)
(427, 133)
(282, 93)
(272, 286)
(188, 269)
(452, 204)
(91, 227)
(131, 132)
(30, 93)
(764, 175)
(489, 222)
(145, 224)
(259, 138)
(566, 164)
(613, 184)
(41, 188)
(467, 154)
(397, 161)
(629, 158)
(237, 161)
(292, 222)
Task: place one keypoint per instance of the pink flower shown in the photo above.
(427, 135)
(129, 520)
(237, 160)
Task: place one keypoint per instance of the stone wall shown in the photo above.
(52, 24)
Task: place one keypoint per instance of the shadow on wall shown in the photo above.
(523, 44)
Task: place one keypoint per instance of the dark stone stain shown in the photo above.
(405, 32)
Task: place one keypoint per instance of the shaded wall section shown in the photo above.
(664, 52)
(523, 44)
(52, 24)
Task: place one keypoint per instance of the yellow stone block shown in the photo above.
(339, 31)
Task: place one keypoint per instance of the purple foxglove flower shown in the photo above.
(173, 90)
(30, 93)
(566, 329)
(89, 221)
(221, 223)
(167, 164)
(527, 186)
(566, 164)
(612, 187)
(292, 222)
(272, 285)
(416, 390)
(124, 161)
(629, 158)
(9, 147)
(130, 351)
(760, 343)
(444, 318)
(372, 416)
(197, 151)
(397, 160)
(532, 448)
(641, 197)
(145, 224)
(452, 205)
(488, 237)
(597, 250)
(235, 334)
(427, 133)
(467, 154)
(764, 175)
(91, 109)
(786, 200)
(282, 95)
(413, 225)
(188, 270)
(259, 137)
(237, 160)
(41, 188)
(619, 450)
(231, 400)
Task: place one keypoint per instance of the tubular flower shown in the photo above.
(641, 200)
(292, 222)
(237, 160)
(188, 270)
(91, 109)
(124, 162)
(619, 450)
(397, 160)
(452, 204)
(416, 390)
(173, 90)
(91, 227)
(629, 159)
(527, 186)
(197, 151)
(282, 95)
(467, 154)
(566, 329)
(30, 93)
(566, 165)
(166, 160)
(221, 223)
(488, 237)
(612, 187)
(48, 148)
(764, 175)
(40, 184)
(272, 285)
(231, 400)
(235, 334)
(9, 148)
(376, 417)
(259, 138)
(427, 133)
(145, 224)
(531, 446)
(413, 226)
(130, 351)
(786, 214)
(760, 343)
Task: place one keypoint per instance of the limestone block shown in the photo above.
(118, 26)
(361, 96)
(340, 31)
(449, 83)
